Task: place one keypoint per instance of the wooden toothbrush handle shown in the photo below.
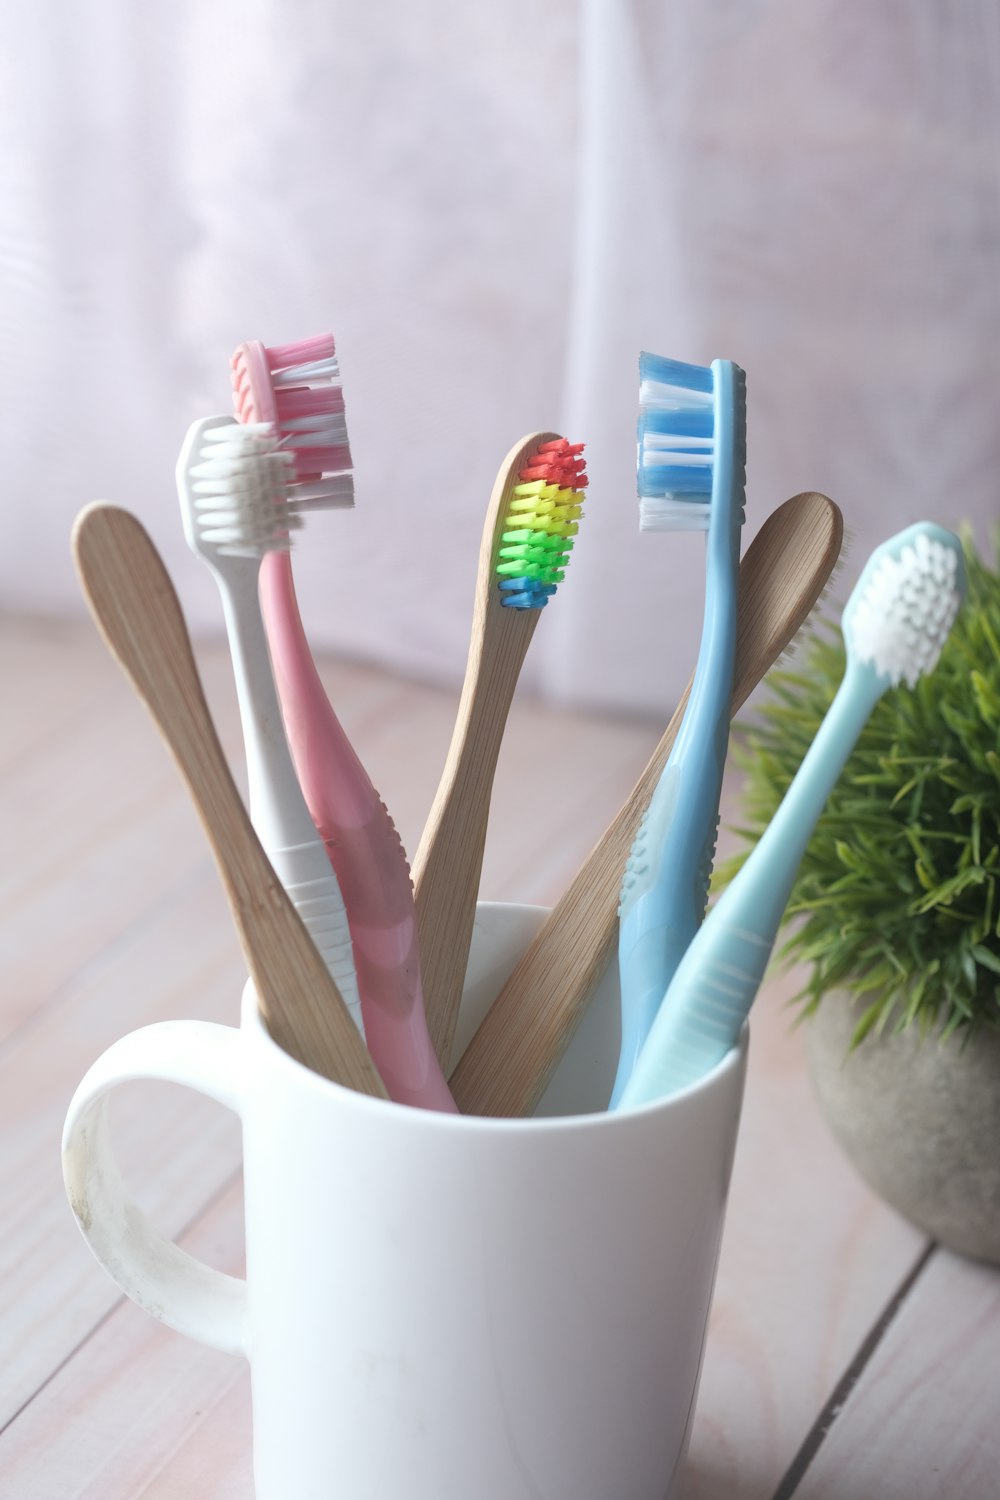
(137, 611)
(449, 859)
(510, 1059)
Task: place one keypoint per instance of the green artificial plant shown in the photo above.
(898, 897)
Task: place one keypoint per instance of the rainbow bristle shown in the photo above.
(541, 521)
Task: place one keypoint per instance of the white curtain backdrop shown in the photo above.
(494, 206)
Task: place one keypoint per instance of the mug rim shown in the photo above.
(253, 1026)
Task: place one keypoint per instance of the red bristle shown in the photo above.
(557, 462)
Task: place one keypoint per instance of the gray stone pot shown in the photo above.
(920, 1120)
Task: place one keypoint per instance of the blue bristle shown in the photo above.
(525, 593)
(674, 372)
(513, 588)
(692, 482)
(682, 424)
(676, 423)
(524, 601)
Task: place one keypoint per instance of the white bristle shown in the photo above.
(655, 453)
(663, 513)
(334, 492)
(239, 487)
(308, 432)
(901, 621)
(305, 374)
(661, 442)
(658, 394)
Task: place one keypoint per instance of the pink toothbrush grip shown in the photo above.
(365, 852)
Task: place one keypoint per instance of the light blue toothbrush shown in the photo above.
(691, 475)
(895, 624)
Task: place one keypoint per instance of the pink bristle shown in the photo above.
(309, 400)
(258, 399)
(304, 352)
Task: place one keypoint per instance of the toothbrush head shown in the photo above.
(905, 602)
(296, 389)
(541, 521)
(233, 486)
(691, 444)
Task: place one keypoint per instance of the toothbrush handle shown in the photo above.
(135, 606)
(387, 959)
(700, 1017)
(646, 971)
(721, 972)
(363, 848)
(304, 871)
(665, 889)
(449, 858)
(277, 809)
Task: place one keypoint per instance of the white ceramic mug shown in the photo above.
(440, 1307)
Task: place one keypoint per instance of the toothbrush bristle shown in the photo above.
(297, 388)
(541, 521)
(238, 486)
(899, 616)
(676, 444)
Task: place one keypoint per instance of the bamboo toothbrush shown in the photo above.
(529, 528)
(691, 474)
(895, 624)
(295, 389)
(511, 1057)
(137, 611)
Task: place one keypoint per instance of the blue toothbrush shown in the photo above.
(895, 624)
(691, 476)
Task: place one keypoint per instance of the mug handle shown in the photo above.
(183, 1292)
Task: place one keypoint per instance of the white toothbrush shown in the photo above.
(231, 480)
(895, 624)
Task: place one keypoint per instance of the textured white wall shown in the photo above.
(494, 206)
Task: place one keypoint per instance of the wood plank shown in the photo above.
(98, 827)
(175, 1147)
(139, 1410)
(921, 1421)
(47, 668)
(80, 915)
(59, 678)
(560, 780)
(809, 1259)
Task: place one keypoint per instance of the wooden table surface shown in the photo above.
(847, 1358)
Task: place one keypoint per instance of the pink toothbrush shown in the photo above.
(296, 389)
